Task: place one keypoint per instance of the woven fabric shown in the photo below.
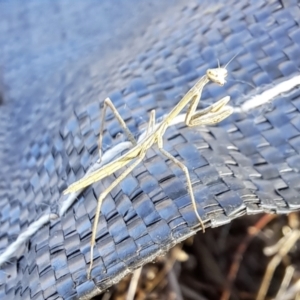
(56, 72)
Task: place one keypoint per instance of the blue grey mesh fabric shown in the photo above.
(60, 60)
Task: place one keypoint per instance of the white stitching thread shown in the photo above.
(269, 94)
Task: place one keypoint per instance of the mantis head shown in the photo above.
(217, 75)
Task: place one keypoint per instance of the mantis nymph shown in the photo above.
(208, 116)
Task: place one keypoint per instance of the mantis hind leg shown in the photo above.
(119, 179)
(187, 175)
(108, 103)
(100, 201)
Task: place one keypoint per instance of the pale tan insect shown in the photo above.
(208, 116)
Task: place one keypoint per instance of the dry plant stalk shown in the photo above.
(280, 250)
(234, 268)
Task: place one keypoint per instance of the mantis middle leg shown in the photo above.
(208, 116)
(187, 175)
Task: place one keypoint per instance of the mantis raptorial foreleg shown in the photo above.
(108, 103)
(212, 114)
(208, 116)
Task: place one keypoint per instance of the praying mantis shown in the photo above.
(154, 135)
